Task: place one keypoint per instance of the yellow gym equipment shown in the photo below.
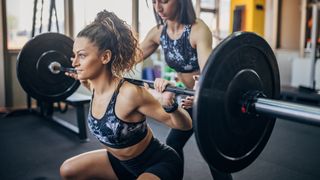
(247, 15)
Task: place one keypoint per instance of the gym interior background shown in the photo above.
(33, 146)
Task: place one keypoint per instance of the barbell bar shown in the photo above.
(176, 90)
(286, 110)
(259, 105)
(235, 105)
(253, 104)
(55, 68)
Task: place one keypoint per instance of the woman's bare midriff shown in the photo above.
(132, 151)
(187, 78)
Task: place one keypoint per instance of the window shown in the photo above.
(224, 23)
(211, 19)
(146, 18)
(20, 18)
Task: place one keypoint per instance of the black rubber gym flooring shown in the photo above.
(32, 148)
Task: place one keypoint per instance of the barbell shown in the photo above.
(33, 62)
(235, 104)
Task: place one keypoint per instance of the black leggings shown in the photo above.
(158, 159)
(178, 138)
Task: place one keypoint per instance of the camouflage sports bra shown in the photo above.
(114, 132)
(179, 54)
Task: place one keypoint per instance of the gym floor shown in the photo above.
(33, 148)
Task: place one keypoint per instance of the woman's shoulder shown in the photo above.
(199, 24)
(200, 28)
(200, 32)
(130, 91)
(154, 33)
(156, 29)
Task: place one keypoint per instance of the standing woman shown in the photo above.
(103, 51)
(187, 43)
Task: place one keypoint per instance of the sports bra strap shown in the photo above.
(119, 85)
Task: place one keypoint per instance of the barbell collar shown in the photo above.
(286, 110)
(55, 67)
(175, 90)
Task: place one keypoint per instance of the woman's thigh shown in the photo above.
(148, 176)
(89, 165)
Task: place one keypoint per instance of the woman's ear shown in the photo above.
(106, 56)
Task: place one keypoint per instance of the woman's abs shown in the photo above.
(187, 78)
(132, 151)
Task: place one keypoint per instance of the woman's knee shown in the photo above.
(177, 138)
(148, 176)
(68, 170)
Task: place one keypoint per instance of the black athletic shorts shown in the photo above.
(158, 159)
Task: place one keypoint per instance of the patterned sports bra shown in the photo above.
(179, 54)
(114, 132)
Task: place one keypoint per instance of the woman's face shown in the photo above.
(166, 9)
(87, 59)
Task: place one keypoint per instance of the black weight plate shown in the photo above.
(227, 139)
(33, 67)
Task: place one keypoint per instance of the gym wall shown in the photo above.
(2, 86)
(290, 19)
(15, 96)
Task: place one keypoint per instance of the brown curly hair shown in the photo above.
(109, 32)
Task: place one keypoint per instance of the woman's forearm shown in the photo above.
(181, 119)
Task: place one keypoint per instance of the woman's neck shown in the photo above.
(104, 83)
(174, 26)
(174, 29)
